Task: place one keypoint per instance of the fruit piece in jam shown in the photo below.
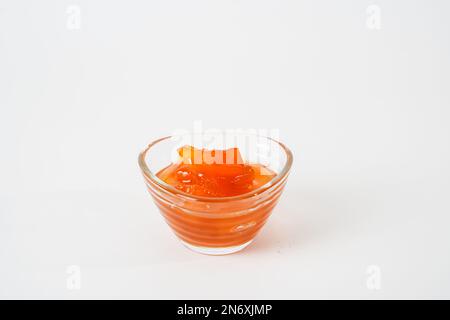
(214, 173)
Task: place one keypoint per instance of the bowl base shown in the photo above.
(212, 251)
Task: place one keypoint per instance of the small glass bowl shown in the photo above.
(216, 225)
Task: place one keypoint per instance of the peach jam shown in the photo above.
(214, 173)
(214, 201)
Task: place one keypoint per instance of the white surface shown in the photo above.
(366, 113)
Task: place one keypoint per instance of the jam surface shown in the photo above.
(214, 173)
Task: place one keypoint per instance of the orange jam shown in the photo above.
(214, 173)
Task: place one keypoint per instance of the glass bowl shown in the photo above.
(216, 225)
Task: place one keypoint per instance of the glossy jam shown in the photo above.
(216, 173)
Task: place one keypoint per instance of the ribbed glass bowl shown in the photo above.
(216, 225)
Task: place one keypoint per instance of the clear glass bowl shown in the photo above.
(216, 225)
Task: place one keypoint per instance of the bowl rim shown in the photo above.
(169, 188)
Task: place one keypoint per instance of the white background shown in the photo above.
(365, 111)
